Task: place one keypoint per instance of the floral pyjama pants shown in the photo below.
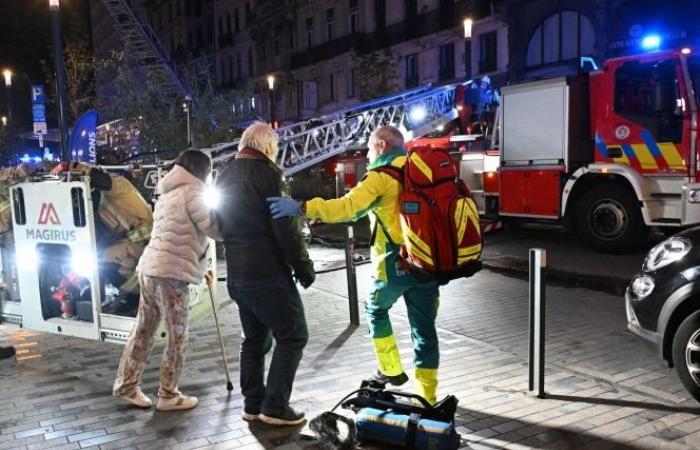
(161, 298)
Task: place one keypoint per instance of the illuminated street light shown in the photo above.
(60, 77)
(468, 22)
(270, 95)
(686, 51)
(7, 73)
(3, 119)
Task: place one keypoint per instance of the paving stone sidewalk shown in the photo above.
(606, 391)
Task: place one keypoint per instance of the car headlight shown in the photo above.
(642, 286)
(667, 252)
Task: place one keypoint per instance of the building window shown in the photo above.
(330, 22)
(331, 87)
(239, 70)
(310, 95)
(170, 13)
(178, 9)
(236, 21)
(220, 25)
(488, 52)
(277, 45)
(563, 36)
(251, 68)
(230, 69)
(291, 40)
(447, 62)
(352, 79)
(647, 94)
(309, 31)
(263, 53)
(412, 70)
(228, 23)
(354, 14)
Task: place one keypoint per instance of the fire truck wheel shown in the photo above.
(609, 218)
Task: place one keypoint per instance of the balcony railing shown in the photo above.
(416, 27)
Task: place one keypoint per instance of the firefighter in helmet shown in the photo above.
(378, 193)
(123, 228)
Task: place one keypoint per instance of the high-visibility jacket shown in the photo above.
(377, 193)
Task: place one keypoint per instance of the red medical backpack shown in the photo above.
(439, 218)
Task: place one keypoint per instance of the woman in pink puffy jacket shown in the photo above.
(174, 258)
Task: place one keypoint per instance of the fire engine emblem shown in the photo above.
(622, 132)
(48, 215)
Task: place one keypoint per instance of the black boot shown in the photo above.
(7, 352)
(396, 380)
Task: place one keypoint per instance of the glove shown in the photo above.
(284, 207)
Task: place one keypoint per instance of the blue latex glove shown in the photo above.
(284, 207)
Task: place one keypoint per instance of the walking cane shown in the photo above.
(209, 276)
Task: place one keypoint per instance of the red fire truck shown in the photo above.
(610, 153)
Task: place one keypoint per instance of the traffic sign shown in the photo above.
(39, 109)
(151, 180)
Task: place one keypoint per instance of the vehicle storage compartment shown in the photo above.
(546, 123)
(531, 191)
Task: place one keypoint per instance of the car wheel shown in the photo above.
(686, 354)
(609, 217)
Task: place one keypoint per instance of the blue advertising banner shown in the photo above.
(83, 141)
(39, 109)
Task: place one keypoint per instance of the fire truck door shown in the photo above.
(56, 257)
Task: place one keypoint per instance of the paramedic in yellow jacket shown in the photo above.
(123, 229)
(378, 194)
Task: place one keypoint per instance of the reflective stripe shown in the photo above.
(415, 251)
(461, 220)
(414, 237)
(422, 166)
(468, 251)
(644, 155)
(671, 155)
(426, 383)
(388, 357)
(464, 259)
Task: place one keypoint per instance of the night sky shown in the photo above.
(25, 41)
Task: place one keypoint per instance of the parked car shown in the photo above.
(663, 304)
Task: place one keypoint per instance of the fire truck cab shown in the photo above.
(610, 153)
(51, 276)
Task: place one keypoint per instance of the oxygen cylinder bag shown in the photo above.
(396, 418)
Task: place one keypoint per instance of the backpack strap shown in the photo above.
(397, 174)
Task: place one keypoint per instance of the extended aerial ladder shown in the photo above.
(304, 144)
(145, 46)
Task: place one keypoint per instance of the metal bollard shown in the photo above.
(351, 276)
(538, 260)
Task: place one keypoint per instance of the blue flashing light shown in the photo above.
(25, 158)
(651, 42)
(37, 159)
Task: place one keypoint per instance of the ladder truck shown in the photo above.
(609, 154)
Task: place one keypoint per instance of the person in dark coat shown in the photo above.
(263, 256)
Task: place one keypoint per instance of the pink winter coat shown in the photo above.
(181, 224)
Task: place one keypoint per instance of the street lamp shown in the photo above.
(271, 93)
(60, 77)
(468, 22)
(187, 108)
(9, 120)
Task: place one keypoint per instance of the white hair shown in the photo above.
(391, 135)
(261, 137)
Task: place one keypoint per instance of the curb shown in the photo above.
(518, 268)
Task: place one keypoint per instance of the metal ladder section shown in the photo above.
(302, 145)
(143, 43)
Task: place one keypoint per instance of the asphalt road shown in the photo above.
(570, 261)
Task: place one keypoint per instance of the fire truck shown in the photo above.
(609, 153)
(51, 274)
